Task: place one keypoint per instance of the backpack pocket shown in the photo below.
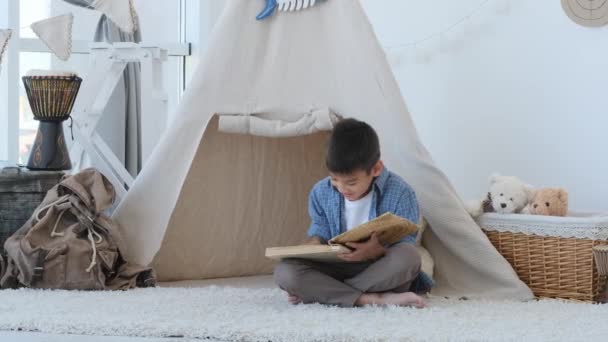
(54, 273)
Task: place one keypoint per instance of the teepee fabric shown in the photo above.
(56, 33)
(5, 35)
(121, 12)
(208, 202)
(315, 121)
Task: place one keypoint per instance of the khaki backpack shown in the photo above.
(69, 243)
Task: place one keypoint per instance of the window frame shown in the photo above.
(9, 95)
(9, 92)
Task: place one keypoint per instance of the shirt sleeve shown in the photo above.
(319, 225)
(407, 207)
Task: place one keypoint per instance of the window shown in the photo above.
(162, 24)
(33, 55)
(8, 97)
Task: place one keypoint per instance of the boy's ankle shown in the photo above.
(367, 299)
(390, 298)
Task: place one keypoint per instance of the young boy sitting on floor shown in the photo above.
(358, 189)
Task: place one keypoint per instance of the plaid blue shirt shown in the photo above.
(390, 194)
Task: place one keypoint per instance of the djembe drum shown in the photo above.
(51, 98)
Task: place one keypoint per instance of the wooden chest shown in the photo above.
(21, 191)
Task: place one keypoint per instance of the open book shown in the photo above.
(388, 227)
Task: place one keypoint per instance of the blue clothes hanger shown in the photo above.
(271, 5)
(285, 6)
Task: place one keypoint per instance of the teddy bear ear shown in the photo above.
(562, 194)
(530, 192)
(495, 177)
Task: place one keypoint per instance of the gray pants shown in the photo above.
(342, 283)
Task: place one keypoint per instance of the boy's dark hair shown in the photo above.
(353, 146)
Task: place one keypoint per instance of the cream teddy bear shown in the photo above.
(507, 195)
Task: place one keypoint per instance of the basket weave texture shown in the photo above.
(554, 267)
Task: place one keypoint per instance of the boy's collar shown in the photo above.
(380, 181)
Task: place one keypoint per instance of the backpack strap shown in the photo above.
(87, 219)
(39, 267)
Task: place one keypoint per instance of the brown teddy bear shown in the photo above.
(548, 201)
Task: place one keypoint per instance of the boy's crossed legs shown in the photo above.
(384, 281)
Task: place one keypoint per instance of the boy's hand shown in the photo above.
(364, 251)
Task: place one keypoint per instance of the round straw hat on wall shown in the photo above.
(587, 12)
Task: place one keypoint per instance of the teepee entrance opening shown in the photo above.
(242, 194)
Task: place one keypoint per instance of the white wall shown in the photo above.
(517, 88)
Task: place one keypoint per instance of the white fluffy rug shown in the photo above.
(241, 314)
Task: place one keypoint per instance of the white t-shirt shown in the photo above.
(357, 212)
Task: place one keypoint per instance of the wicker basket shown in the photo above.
(553, 256)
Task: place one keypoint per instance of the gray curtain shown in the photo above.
(121, 129)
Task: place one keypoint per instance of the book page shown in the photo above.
(389, 228)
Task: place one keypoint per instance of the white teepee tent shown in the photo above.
(208, 202)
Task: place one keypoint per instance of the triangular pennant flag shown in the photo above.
(121, 12)
(56, 33)
(5, 35)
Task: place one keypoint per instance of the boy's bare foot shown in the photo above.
(391, 298)
(293, 299)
